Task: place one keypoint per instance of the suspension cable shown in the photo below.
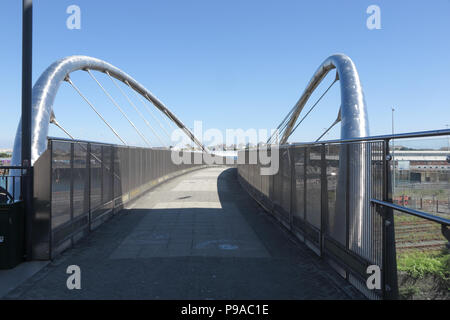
(56, 123)
(149, 110)
(168, 118)
(328, 130)
(283, 123)
(280, 132)
(312, 108)
(93, 108)
(135, 108)
(118, 107)
(165, 116)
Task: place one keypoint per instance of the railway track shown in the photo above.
(418, 235)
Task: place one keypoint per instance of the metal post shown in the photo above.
(89, 173)
(347, 194)
(393, 152)
(390, 280)
(27, 30)
(72, 175)
(323, 198)
(293, 198)
(27, 185)
(112, 179)
(305, 187)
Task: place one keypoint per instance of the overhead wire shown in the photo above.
(94, 109)
(118, 107)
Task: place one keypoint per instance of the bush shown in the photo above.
(420, 264)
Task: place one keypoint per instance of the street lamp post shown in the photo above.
(27, 43)
(27, 182)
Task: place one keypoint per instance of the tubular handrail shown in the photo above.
(109, 144)
(13, 168)
(416, 213)
(419, 134)
(409, 135)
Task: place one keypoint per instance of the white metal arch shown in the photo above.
(46, 88)
(353, 110)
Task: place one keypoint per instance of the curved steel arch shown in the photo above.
(353, 111)
(46, 88)
(354, 159)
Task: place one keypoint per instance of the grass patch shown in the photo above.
(420, 264)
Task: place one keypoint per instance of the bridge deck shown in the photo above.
(199, 236)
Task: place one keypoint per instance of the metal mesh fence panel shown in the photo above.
(80, 175)
(331, 186)
(61, 183)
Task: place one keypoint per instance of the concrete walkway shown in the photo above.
(199, 236)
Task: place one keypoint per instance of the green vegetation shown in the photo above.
(420, 264)
(424, 275)
(5, 155)
(408, 292)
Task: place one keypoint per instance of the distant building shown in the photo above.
(422, 165)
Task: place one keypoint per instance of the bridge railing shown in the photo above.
(9, 176)
(78, 185)
(322, 193)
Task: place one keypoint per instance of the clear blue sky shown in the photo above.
(238, 64)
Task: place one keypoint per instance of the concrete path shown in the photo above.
(199, 236)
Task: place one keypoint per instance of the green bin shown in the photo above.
(11, 234)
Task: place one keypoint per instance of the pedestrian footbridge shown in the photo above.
(315, 221)
(197, 236)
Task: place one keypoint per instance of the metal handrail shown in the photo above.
(19, 172)
(416, 213)
(12, 168)
(102, 143)
(419, 134)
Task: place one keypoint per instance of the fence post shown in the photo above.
(72, 168)
(293, 197)
(305, 186)
(323, 198)
(390, 280)
(88, 165)
(112, 169)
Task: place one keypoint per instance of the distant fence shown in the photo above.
(78, 185)
(316, 194)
